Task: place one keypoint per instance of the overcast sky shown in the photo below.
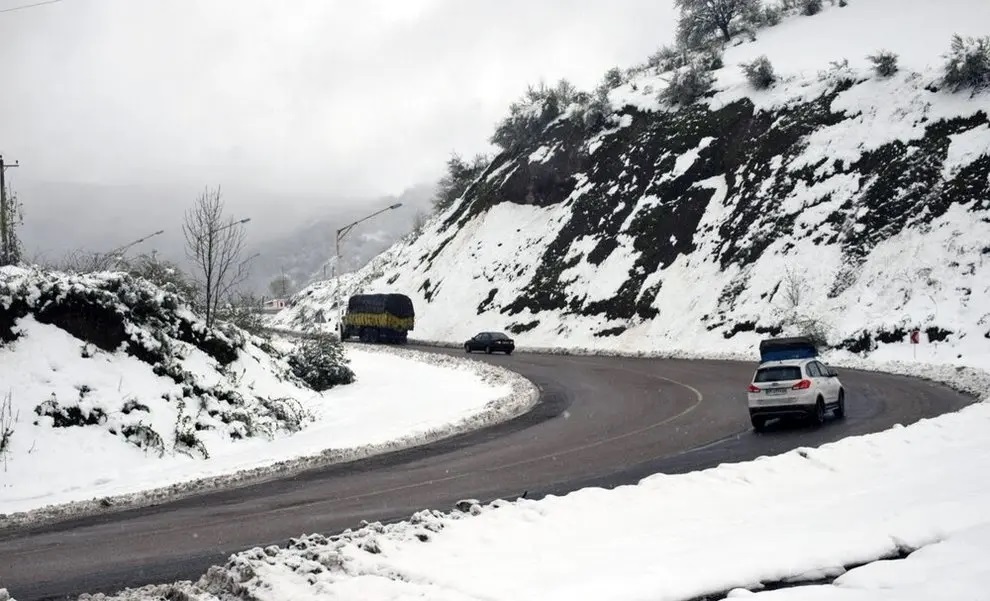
(357, 98)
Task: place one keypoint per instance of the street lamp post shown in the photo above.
(341, 233)
(230, 225)
(118, 252)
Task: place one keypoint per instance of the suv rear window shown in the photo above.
(778, 374)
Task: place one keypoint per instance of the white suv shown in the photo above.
(795, 388)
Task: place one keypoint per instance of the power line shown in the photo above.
(12, 9)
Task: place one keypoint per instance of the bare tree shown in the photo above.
(214, 243)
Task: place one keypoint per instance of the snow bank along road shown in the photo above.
(600, 421)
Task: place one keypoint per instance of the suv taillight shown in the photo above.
(753, 388)
(802, 385)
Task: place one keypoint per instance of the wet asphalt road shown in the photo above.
(601, 421)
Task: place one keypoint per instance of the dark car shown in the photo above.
(490, 342)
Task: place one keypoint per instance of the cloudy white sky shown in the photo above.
(308, 97)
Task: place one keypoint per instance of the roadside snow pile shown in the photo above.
(804, 516)
(118, 395)
(952, 569)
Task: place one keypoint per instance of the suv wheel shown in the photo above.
(818, 418)
(759, 423)
(488, 350)
(840, 409)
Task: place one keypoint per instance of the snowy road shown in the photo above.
(603, 421)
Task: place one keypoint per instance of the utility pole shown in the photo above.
(6, 228)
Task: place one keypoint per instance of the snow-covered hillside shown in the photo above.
(113, 392)
(838, 201)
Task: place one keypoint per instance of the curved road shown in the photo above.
(601, 421)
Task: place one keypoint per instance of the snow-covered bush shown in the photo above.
(186, 440)
(245, 315)
(757, 16)
(759, 73)
(460, 175)
(771, 15)
(530, 115)
(666, 58)
(595, 113)
(838, 73)
(613, 78)
(143, 437)
(687, 85)
(73, 415)
(320, 362)
(811, 7)
(166, 275)
(968, 63)
(884, 63)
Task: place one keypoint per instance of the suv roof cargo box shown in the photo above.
(782, 349)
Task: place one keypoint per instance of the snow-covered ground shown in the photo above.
(394, 403)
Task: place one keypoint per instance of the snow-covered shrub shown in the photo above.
(771, 15)
(838, 73)
(613, 78)
(815, 328)
(111, 310)
(143, 437)
(320, 362)
(596, 112)
(687, 85)
(186, 441)
(530, 115)
(68, 416)
(245, 315)
(289, 413)
(596, 108)
(759, 73)
(131, 405)
(166, 275)
(884, 63)
(968, 63)
(460, 175)
(757, 16)
(811, 7)
(666, 58)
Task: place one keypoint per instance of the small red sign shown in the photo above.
(915, 337)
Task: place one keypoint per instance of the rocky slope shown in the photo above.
(837, 202)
